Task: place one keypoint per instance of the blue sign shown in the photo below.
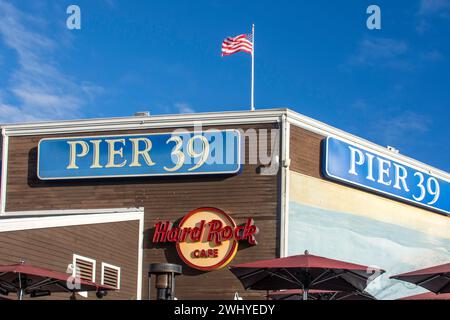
(361, 167)
(168, 154)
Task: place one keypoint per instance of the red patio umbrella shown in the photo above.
(428, 296)
(320, 295)
(435, 279)
(306, 272)
(24, 280)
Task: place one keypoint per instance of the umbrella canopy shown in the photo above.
(436, 279)
(320, 295)
(25, 279)
(307, 272)
(428, 296)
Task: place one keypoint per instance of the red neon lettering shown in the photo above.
(250, 230)
(197, 232)
(210, 253)
(226, 233)
(172, 235)
(239, 233)
(214, 231)
(217, 232)
(184, 234)
(161, 231)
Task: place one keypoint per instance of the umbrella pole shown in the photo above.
(20, 292)
(305, 294)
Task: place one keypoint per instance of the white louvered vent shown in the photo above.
(110, 275)
(86, 267)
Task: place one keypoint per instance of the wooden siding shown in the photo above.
(305, 152)
(246, 195)
(53, 248)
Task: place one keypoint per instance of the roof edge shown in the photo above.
(150, 119)
(322, 128)
(207, 118)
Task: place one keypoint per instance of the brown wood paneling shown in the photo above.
(248, 194)
(53, 248)
(305, 151)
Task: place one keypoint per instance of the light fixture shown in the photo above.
(40, 293)
(165, 274)
(101, 293)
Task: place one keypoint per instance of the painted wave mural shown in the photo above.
(396, 243)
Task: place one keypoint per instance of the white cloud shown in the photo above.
(404, 126)
(14, 114)
(391, 53)
(432, 56)
(422, 26)
(384, 52)
(360, 105)
(184, 108)
(38, 89)
(111, 3)
(428, 7)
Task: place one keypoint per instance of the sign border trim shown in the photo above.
(348, 182)
(240, 166)
(228, 258)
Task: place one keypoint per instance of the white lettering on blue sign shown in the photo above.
(189, 153)
(364, 168)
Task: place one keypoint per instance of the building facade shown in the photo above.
(112, 196)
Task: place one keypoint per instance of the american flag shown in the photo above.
(241, 43)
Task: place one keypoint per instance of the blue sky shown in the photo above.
(390, 86)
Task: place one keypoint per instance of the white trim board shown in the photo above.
(48, 220)
(206, 119)
(285, 188)
(54, 219)
(4, 172)
(140, 256)
(70, 212)
(326, 130)
(152, 122)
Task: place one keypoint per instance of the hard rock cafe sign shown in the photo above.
(206, 239)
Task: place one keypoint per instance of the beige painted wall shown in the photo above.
(335, 197)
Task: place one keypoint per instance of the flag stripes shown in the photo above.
(241, 43)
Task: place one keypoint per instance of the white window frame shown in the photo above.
(104, 264)
(79, 257)
(32, 220)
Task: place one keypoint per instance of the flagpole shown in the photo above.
(253, 70)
